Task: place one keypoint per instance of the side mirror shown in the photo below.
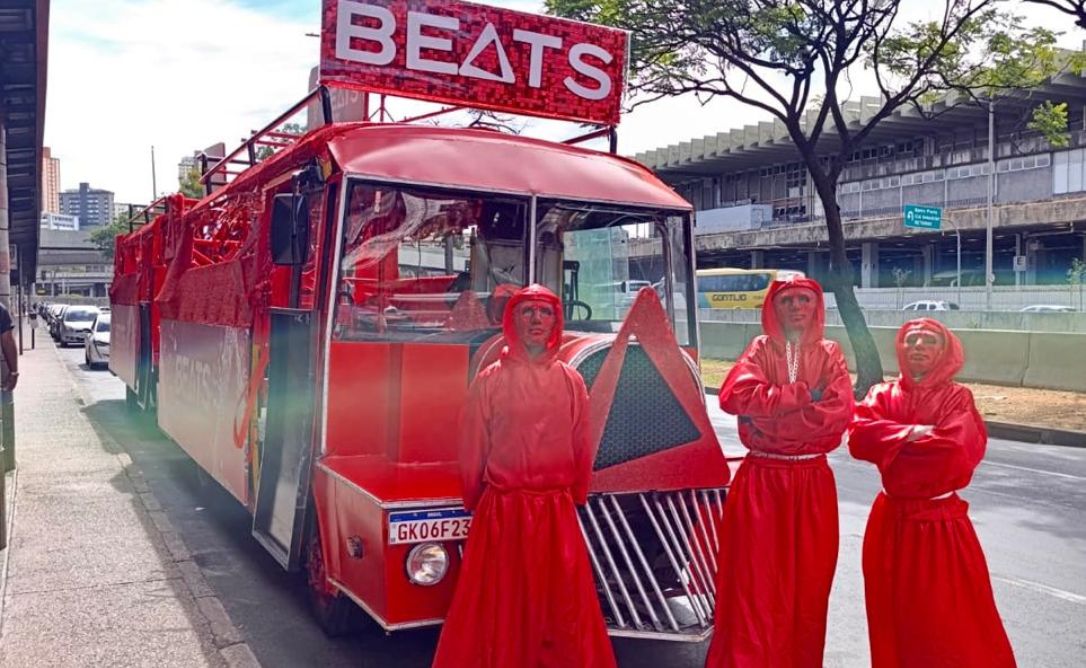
(289, 230)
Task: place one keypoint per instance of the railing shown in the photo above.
(655, 560)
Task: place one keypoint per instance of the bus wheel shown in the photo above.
(336, 614)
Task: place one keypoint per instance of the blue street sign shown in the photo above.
(923, 217)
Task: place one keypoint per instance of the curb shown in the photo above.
(226, 636)
(1037, 435)
(1015, 432)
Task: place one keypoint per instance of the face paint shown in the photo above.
(923, 348)
(795, 309)
(535, 321)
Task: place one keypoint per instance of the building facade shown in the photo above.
(59, 221)
(756, 205)
(69, 264)
(93, 205)
(50, 181)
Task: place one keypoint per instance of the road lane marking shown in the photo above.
(1043, 589)
(1032, 470)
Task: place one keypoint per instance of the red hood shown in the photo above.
(946, 367)
(514, 348)
(772, 327)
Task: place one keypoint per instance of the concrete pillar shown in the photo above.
(812, 263)
(927, 253)
(1034, 247)
(757, 259)
(869, 267)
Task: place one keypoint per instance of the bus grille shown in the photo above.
(654, 556)
(645, 416)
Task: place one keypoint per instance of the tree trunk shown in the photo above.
(868, 362)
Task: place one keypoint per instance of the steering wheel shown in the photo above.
(571, 309)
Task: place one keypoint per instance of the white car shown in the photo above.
(931, 305)
(76, 323)
(97, 343)
(1047, 308)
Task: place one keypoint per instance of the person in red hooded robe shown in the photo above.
(929, 598)
(793, 395)
(526, 594)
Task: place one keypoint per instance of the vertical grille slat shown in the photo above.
(712, 521)
(704, 518)
(645, 565)
(673, 557)
(614, 568)
(629, 563)
(600, 577)
(690, 554)
(654, 560)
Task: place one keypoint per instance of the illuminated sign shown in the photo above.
(475, 56)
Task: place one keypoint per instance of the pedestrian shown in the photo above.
(929, 596)
(793, 395)
(526, 595)
(9, 350)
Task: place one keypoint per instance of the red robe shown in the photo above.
(526, 596)
(929, 597)
(780, 533)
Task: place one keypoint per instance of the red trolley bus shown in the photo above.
(307, 333)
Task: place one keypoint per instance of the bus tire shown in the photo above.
(336, 614)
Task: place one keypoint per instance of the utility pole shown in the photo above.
(154, 177)
(989, 268)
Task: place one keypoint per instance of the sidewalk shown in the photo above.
(94, 575)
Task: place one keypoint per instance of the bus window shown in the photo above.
(427, 265)
(598, 258)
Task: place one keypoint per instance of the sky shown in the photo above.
(180, 75)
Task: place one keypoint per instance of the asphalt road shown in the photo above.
(1028, 504)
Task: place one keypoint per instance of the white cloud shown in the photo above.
(176, 74)
(182, 74)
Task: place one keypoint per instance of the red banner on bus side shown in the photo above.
(476, 56)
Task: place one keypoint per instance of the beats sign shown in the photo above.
(477, 56)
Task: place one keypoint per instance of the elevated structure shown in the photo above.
(757, 206)
(24, 39)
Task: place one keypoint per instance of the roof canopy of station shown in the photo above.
(768, 143)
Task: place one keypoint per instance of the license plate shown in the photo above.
(421, 526)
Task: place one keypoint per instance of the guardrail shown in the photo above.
(1043, 360)
(957, 320)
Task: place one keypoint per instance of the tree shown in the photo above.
(265, 152)
(190, 185)
(1073, 8)
(105, 238)
(796, 61)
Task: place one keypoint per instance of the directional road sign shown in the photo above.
(923, 217)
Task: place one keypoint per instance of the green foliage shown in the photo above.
(105, 238)
(190, 185)
(265, 152)
(1051, 121)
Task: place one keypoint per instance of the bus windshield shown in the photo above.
(427, 264)
(597, 257)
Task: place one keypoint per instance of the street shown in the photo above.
(1027, 504)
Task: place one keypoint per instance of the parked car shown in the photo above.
(931, 305)
(1047, 308)
(97, 342)
(76, 324)
(56, 320)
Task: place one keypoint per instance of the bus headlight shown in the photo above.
(427, 564)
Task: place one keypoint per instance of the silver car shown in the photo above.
(76, 324)
(97, 343)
